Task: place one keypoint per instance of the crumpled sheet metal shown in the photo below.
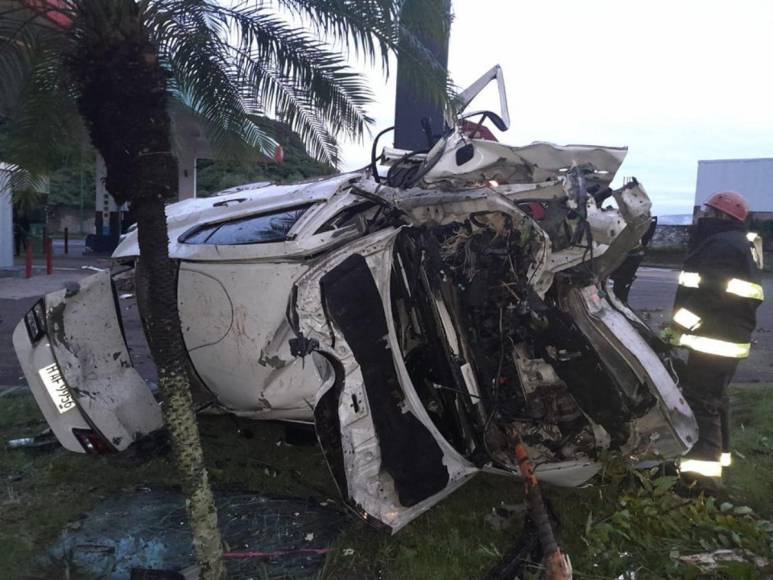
(532, 163)
(87, 340)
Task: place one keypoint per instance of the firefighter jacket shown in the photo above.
(719, 290)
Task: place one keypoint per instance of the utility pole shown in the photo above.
(82, 217)
(419, 117)
(6, 218)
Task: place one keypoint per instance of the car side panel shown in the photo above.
(373, 469)
(234, 326)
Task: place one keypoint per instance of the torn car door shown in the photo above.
(80, 371)
(668, 428)
(385, 452)
(238, 346)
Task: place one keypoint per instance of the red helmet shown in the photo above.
(730, 203)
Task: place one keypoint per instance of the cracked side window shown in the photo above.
(255, 229)
(347, 217)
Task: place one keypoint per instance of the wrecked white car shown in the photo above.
(413, 317)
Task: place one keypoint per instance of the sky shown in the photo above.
(675, 81)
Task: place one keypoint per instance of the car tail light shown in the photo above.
(92, 442)
(35, 321)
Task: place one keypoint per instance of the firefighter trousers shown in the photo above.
(705, 390)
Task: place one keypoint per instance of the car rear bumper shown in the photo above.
(33, 358)
(90, 393)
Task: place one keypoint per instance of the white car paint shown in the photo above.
(241, 305)
(237, 337)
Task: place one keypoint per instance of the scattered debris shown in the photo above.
(502, 517)
(44, 441)
(711, 561)
(12, 496)
(24, 442)
(14, 391)
(148, 530)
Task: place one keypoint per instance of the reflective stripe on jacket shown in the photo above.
(719, 291)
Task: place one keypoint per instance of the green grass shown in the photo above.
(40, 492)
(750, 479)
(44, 491)
(627, 521)
(450, 541)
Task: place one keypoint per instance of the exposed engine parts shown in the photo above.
(483, 315)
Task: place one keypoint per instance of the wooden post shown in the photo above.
(66, 241)
(556, 561)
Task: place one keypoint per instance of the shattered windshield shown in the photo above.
(259, 229)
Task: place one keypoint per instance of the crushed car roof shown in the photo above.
(539, 161)
(236, 203)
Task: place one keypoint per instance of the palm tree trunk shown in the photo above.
(162, 327)
(123, 100)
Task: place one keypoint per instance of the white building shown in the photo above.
(753, 178)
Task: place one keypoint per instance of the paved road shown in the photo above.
(74, 247)
(652, 296)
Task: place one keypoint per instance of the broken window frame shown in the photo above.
(254, 237)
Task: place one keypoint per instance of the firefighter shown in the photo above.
(714, 317)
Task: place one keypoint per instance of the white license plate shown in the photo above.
(57, 390)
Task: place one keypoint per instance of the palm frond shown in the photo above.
(27, 189)
(36, 100)
(230, 62)
(367, 27)
(202, 80)
(248, 61)
(338, 95)
(383, 27)
(267, 39)
(294, 106)
(22, 42)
